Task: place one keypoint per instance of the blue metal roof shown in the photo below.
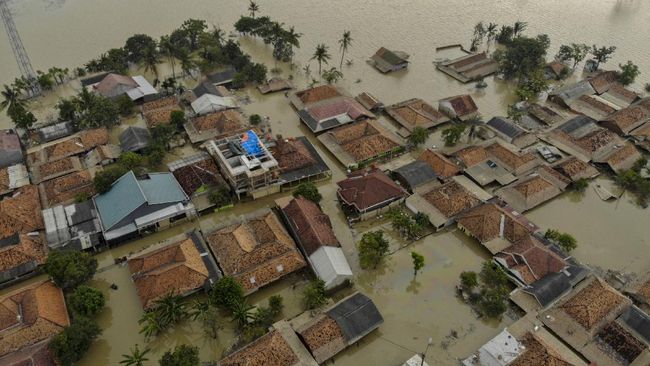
(161, 188)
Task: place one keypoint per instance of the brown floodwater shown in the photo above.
(610, 234)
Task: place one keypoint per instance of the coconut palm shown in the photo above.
(344, 42)
(168, 48)
(321, 55)
(475, 125)
(519, 28)
(242, 313)
(170, 309)
(491, 32)
(136, 357)
(253, 8)
(150, 59)
(332, 75)
(293, 39)
(150, 324)
(187, 64)
(11, 99)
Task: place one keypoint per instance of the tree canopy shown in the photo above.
(70, 268)
(86, 301)
(629, 72)
(309, 191)
(73, 342)
(522, 56)
(373, 248)
(182, 355)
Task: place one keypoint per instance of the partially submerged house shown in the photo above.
(180, 265)
(217, 125)
(12, 178)
(134, 139)
(442, 167)
(256, 250)
(625, 120)
(312, 230)
(566, 95)
(54, 132)
(528, 261)
(641, 136)
(339, 326)
(358, 144)
(76, 144)
(608, 88)
(414, 175)
(135, 206)
(576, 169)
(209, 103)
(495, 227)
(510, 132)
(386, 60)
(515, 162)
(102, 155)
(482, 167)
(198, 175)
(556, 70)
(414, 113)
(583, 138)
(368, 192)
(619, 157)
(461, 107)
(32, 315)
(369, 101)
(11, 151)
(545, 114)
(274, 85)
(75, 226)
(115, 85)
(298, 161)
(159, 112)
(325, 107)
(469, 67)
(222, 77)
(529, 192)
(246, 164)
(444, 203)
(54, 169)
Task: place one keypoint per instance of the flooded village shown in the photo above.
(234, 184)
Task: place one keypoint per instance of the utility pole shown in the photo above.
(24, 64)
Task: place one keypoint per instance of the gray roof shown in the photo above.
(357, 316)
(638, 321)
(505, 127)
(55, 131)
(416, 173)
(549, 288)
(222, 77)
(310, 170)
(205, 87)
(134, 139)
(94, 79)
(11, 151)
(574, 91)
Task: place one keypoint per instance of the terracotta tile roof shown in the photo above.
(623, 157)
(593, 303)
(176, 268)
(93, 138)
(35, 355)
(596, 140)
(256, 252)
(368, 188)
(509, 158)
(111, 81)
(602, 82)
(462, 104)
(65, 188)
(442, 166)
(165, 102)
(644, 291)
(532, 255)
(538, 353)
(576, 169)
(225, 122)
(597, 104)
(86, 140)
(554, 176)
(414, 113)
(317, 94)
(471, 155)
(313, 227)
(451, 199)
(291, 154)
(4, 179)
(196, 175)
(626, 346)
(349, 106)
(532, 186)
(556, 67)
(159, 111)
(27, 249)
(323, 337)
(43, 314)
(484, 222)
(21, 213)
(629, 118)
(362, 140)
(268, 350)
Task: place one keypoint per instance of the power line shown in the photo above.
(24, 64)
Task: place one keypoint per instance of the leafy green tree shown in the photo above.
(177, 118)
(321, 55)
(575, 52)
(452, 135)
(332, 75)
(628, 73)
(182, 355)
(523, 56)
(468, 280)
(255, 119)
(421, 219)
(242, 313)
(532, 85)
(563, 240)
(168, 48)
(220, 197)
(70, 268)
(493, 302)
(314, 294)
(92, 110)
(505, 34)
(492, 275)
(67, 109)
(227, 292)
(516, 114)
(137, 45)
(130, 160)
(86, 301)
(193, 28)
(45, 80)
(418, 136)
(344, 43)
(580, 185)
(255, 73)
(73, 342)
(418, 262)
(373, 248)
(125, 105)
(104, 179)
(309, 191)
(519, 28)
(602, 55)
(276, 304)
(137, 357)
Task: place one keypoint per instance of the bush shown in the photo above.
(182, 355)
(125, 105)
(226, 293)
(580, 185)
(220, 197)
(493, 302)
(309, 191)
(70, 268)
(177, 118)
(255, 119)
(130, 160)
(314, 295)
(468, 280)
(493, 276)
(373, 248)
(70, 345)
(563, 240)
(418, 136)
(453, 134)
(81, 197)
(86, 301)
(276, 304)
(104, 179)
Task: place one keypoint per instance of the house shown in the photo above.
(494, 226)
(625, 120)
(22, 248)
(619, 95)
(386, 61)
(414, 175)
(461, 107)
(75, 226)
(222, 77)
(274, 85)
(510, 132)
(444, 203)
(471, 155)
(618, 157)
(474, 66)
(550, 153)
(215, 125)
(602, 81)
(11, 151)
(67, 188)
(246, 164)
(135, 206)
(339, 326)
(414, 113)
(360, 143)
(556, 70)
(325, 107)
(528, 261)
(641, 136)
(298, 161)
(115, 85)
(256, 250)
(55, 169)
(32, 315)
(565, 95)
(54, 132)
(545, 114)
(482, 167)
(576, 169)
(198, 175)
(279, 347)
(553, 176)
(12, 178)
(369, 102)
(102, 155)
(134, 139)
(159, 112)
(442, 167)
(515, 162)
(76, 144)
(592, 106)
(529, 192)
(368, 192)
(180, 265)
(312, 230)
(583, 138)
(209, 103)
(501, 350)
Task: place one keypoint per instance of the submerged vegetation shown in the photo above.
(487, 290)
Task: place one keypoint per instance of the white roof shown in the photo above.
(18, 176)
(498, 351)
(416, 360)
(208, 103)
(330, 265)
(144, 88)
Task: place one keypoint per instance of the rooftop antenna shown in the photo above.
(24, 64)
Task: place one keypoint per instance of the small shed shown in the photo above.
(55, 131)
(275, 85)
(415, 174)
(11, 151)
(134, 139)
(209, 103)
(386, 60)
(222, 77)
(510, 132)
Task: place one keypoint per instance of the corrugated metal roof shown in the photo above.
(161, 188)
(357, 316)
(416, 173)
(330, 265)
(506, 127)
(124, 197)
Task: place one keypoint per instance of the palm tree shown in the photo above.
(491, 32)
(293, 39)
(136, 358)
(253, 8)
(475, 125)
(150, 59)
(344, 42)
(187, 64)
(519, 27)
(218, 34)
(242, 313)
(321, 55)
(168, 48)
(11, 99)
(170, 309)
(150, 324)
(332, 75)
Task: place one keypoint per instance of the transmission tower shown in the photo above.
(22, 58)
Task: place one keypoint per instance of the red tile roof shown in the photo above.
(317, 94)
(442, 166)
(313, 227)
(21, 213)
(269, 350)
(592, 303)
(369, 188)
(462, 104)
(532, 259)
(484, 223)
